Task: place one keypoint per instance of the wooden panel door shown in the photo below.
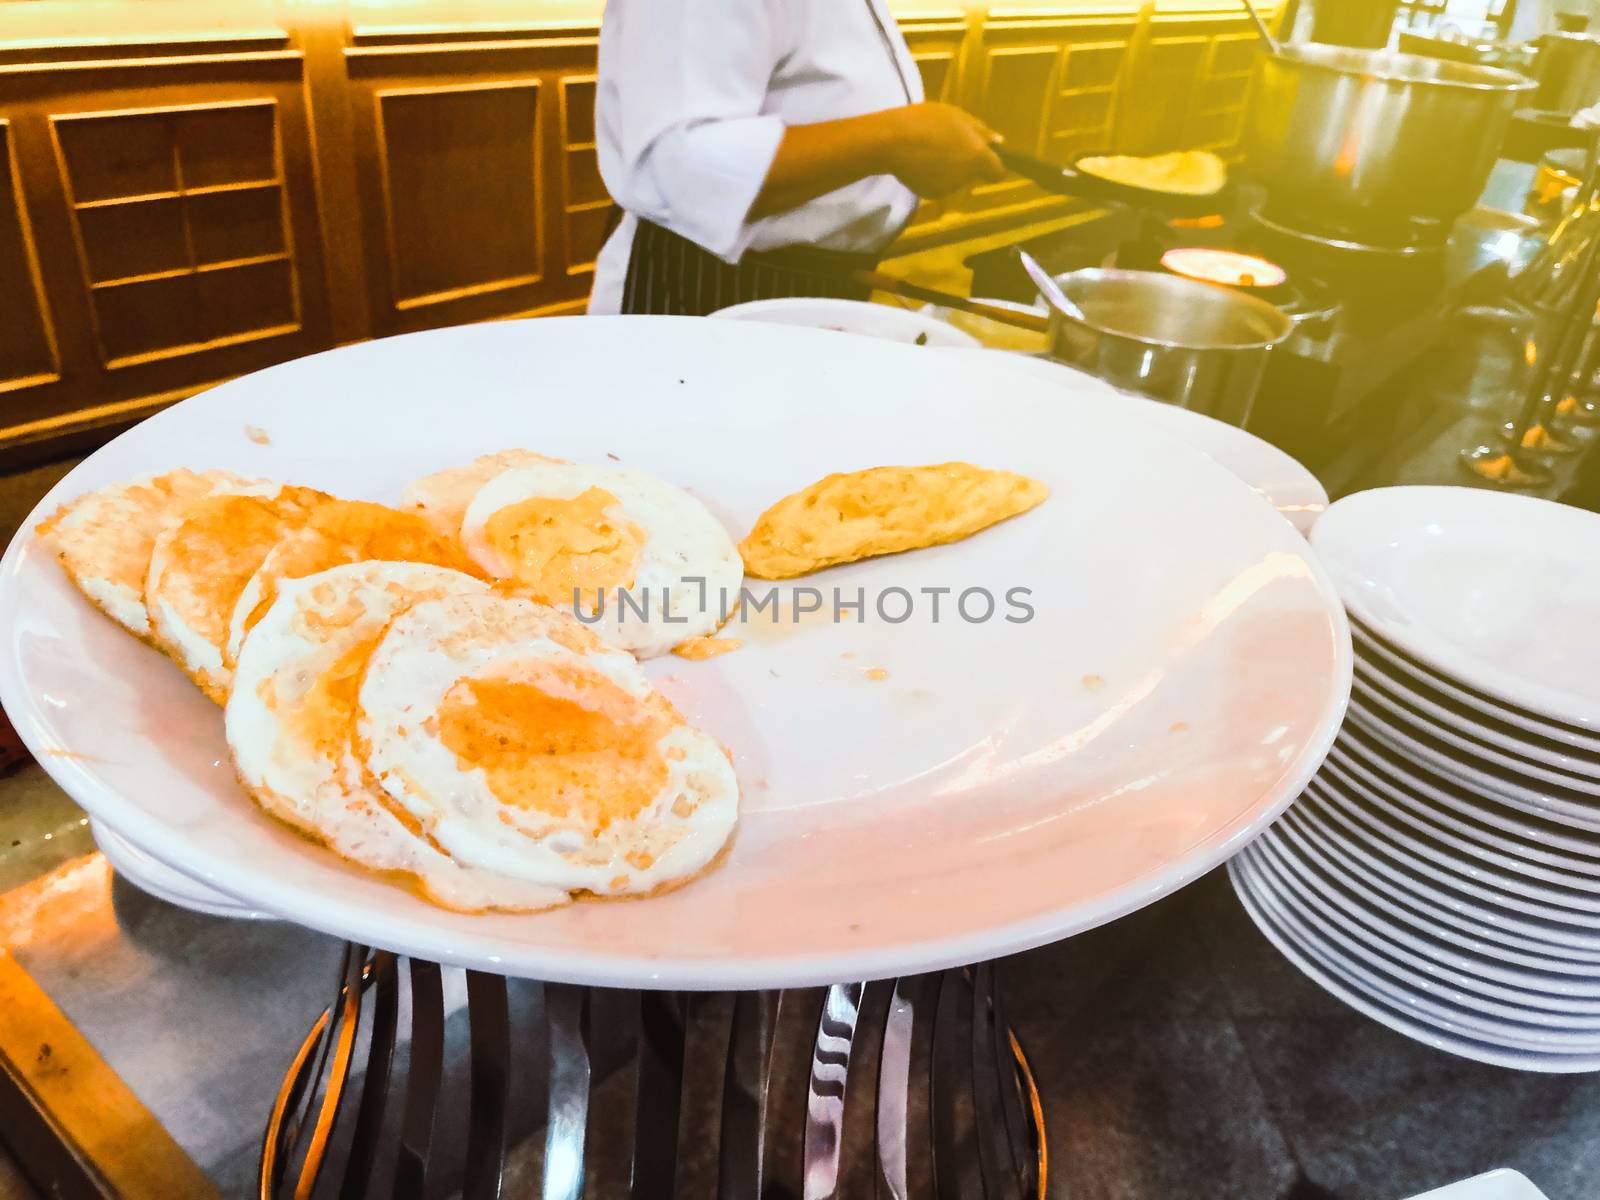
(476, 168)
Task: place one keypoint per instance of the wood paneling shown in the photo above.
(461, 198)
(181, 227)
(1201, 67)
(587, 205)
(478, 157)
(27, 349)
(209, 187)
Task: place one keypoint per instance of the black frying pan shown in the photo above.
(1069, 181)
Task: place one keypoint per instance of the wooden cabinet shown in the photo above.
(190, 190)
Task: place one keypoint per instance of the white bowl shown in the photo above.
(1394, 662)
(1579, 810)
(1401, 1018)
(1423, 844)
(1554, 991)
(162, 882)
(1400, 794)
(1482, 733)
(1443, 924)
(861, 317)
(1504, 1184)
(995, 335)
(1493, 589)
(1407, 986)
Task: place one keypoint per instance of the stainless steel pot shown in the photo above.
(1568, 71)
(1191, 344)
(1361, 138)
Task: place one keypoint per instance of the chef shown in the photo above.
(763, 148)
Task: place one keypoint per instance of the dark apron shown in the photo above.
(670, 275)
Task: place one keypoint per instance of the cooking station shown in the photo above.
(1360, 322)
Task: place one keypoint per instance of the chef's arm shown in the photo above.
(686, 141)
(934, 149)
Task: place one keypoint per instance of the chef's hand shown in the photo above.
(937, 149)
(934, 149)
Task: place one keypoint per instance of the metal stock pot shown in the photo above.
(1196, 345)
(1362, 138)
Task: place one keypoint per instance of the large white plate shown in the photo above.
(980, 800)
(162, 882)
(1494, 589)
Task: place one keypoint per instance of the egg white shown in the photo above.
(434, 645)
(443, 496)
(688, 572)
(312, 624)
(170, 588)
(104, 538)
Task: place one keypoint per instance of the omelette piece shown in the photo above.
(443, 496)
(341, 531)
(644, 563)
(199, 567)
(523, 744)
(1183, 172)
(885, 510)
(104, 539)
(290, 725)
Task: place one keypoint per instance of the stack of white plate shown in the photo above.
(1442, 872)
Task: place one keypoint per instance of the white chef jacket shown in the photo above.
(692, 101)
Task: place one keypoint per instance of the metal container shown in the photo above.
(1568, 71)
(1362, 139)
(1196, 345)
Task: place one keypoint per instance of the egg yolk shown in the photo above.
(560, 740)
(351, 531)
(323, 719)
(567, 551)
(218, 548)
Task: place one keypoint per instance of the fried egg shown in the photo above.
(643, 562)
(341, 531)
(290, 723)
(199, 567)
(104, 539)
(443, 496)
(524, 745)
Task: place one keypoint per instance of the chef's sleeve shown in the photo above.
(688, 145)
